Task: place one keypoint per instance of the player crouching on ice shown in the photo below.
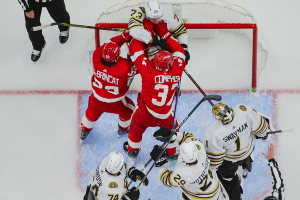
(229, 142)
(109, 181)
(192, 172)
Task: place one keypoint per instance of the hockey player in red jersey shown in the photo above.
(109, 86)
(160, 79)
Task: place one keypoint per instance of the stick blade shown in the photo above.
(214, 97)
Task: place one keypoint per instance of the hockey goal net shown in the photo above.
(197, 16)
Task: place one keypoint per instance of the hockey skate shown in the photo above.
(84, 134)
(131, 156)
(172, 158)
(36, 53)
(121, 131)
(64, 36)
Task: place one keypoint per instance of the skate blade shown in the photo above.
(168, 164)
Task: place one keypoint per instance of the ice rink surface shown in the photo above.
(41, 104)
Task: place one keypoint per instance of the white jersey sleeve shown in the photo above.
(105, 186)
(136, 27)
(196, 181)
(175, 26)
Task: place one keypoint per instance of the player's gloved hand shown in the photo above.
(127, 36)
(148, 25)
(163, 134)
(154, 155)
(160, 43)
(132, 194)
(162, 30)
(186, 52)
(266, 138)
(135, 174)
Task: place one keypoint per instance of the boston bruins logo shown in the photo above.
(243, 108)
(113, 185)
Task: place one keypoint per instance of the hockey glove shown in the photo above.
(160, 43)
(132, 194)
(164, 134)
(135, 174)
(148, 25)
(186, 52)
(162, 30)
(89, 195)
(266, 138)
(154, 155)
(127, 36)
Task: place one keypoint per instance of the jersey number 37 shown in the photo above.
(163, 95)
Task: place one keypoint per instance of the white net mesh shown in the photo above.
(192, 12)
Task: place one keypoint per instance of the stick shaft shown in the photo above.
(37, 28)
(279, 131)
(198, 87)
(173, 128)
(165, 144)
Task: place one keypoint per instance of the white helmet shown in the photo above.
(114, 163)
(188, 152)
(153, 9)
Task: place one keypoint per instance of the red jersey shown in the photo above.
(109, 83)
(158, 88)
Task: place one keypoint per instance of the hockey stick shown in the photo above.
(199, 88)
(173, 126)
(37, 28)
(165, 144)
(281, 131)
(274, 132)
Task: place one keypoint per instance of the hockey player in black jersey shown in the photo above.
(32, 13)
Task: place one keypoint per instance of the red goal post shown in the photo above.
(196, 15)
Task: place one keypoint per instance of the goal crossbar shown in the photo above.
(203, 26)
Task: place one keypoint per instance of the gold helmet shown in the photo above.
(223, 113)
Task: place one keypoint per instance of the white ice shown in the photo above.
(39, 147)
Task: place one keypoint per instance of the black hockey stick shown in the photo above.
(37, 28)
(165, 144)
(281, 131)
(173, 126)
(199, 88)
(274, 132)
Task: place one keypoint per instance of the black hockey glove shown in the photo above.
(163, 135)
(266, 138)
(89, 195)
(160, 42)
(132, 194)
(135, 174)
(154, 155)
(187, 54)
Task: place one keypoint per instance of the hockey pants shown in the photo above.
(124, 108)
(140, 122)
(57, 11)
